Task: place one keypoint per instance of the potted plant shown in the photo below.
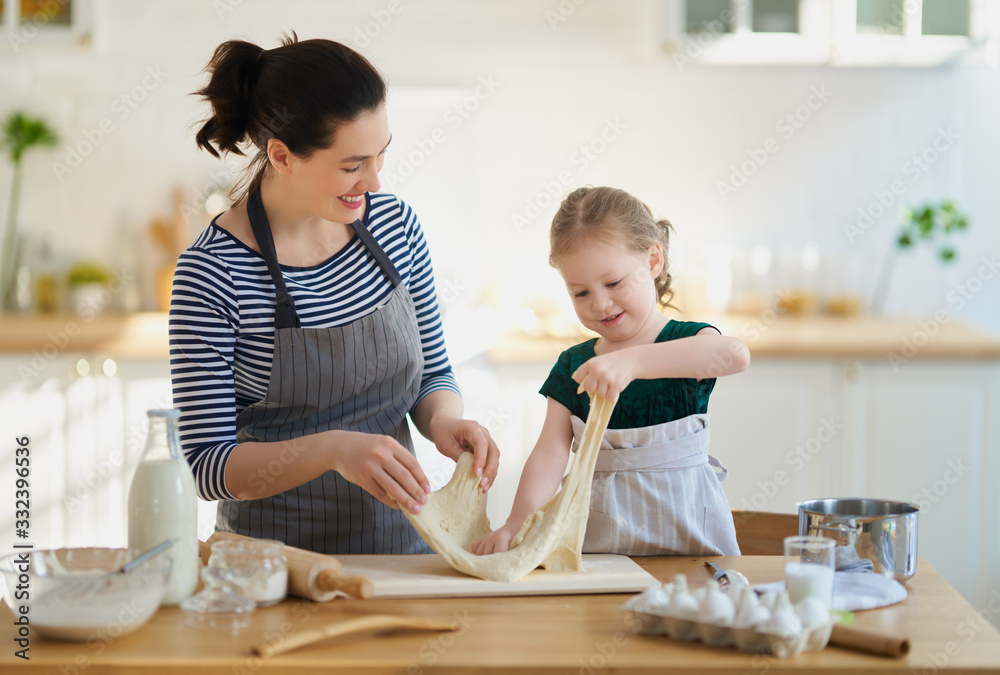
(932, 223)
(19, 134)
(88, 286)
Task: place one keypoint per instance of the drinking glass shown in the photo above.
(809, 566)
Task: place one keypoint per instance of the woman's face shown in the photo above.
(331, 183)
(613, 290)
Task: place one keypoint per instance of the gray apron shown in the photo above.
(364, 376)
(656, 491)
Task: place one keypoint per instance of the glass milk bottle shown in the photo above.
(163, 504)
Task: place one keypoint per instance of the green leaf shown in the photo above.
(21, 132)
(947, 254)
(904, 241)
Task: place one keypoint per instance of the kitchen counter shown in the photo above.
(144, 335)
(808, 336)
(525, 635)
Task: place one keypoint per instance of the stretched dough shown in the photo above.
(552, 537)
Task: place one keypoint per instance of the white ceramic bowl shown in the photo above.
(75, 594)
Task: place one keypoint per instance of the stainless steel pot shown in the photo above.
(881, 531)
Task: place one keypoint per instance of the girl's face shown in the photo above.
(331, 183)
(613, 289)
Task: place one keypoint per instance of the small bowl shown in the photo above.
(74, 594)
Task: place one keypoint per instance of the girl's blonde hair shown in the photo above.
(610, 215)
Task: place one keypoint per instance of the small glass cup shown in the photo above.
(809, 566)
(257, 567)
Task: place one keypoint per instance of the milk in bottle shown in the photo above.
(163, 504)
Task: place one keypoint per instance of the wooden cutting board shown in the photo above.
(428, 576)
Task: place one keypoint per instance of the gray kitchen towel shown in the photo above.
(854, 592)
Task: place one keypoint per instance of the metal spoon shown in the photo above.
(143, 557)
(728, 576)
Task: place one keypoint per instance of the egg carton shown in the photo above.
(744, 639)
(732, 616)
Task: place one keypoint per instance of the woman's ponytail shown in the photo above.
(229, 91)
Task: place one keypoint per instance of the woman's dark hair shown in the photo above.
(299, 93)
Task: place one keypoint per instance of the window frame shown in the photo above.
(16, 37)
(828, 36)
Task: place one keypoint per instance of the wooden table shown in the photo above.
(527, 635)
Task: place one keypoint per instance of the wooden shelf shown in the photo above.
(144, 335)
(139, 336)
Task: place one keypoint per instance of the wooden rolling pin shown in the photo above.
(868, 642)
(363, 623)
(311, 575)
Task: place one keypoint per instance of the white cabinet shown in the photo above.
(85, 417)
(926, 432)
(778, 428)
(835, 32)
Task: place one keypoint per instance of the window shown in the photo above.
(28, 22)
(838, 32)
(774, 16)
(747, 31)
(908, 32)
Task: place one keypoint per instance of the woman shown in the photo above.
(304, 325)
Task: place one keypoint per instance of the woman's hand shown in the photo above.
(606, 375)
(453, 436)
(496, 541)
(382, 466)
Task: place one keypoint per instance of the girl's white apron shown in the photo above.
(656, 491)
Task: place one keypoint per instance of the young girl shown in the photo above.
(656, 489)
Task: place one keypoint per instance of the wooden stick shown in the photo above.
(870, 643)
(374, 622)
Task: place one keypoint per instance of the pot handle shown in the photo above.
(843, 532)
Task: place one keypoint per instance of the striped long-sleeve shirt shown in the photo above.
(222, 324)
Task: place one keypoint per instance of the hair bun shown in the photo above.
(234, 69)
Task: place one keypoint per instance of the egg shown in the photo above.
(784, 620)
(682, 603)
(812, 611)
(749, 611)
(655, 598)
(716, 607)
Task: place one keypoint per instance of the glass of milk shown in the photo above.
(809, 566)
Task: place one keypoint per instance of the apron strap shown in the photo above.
(681, 453)
(285, 315)
(381, 257)
(720, 469)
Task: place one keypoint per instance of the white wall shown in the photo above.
(676, 133)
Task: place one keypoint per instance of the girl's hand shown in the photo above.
(606, 375)
(453, 436)
(496, 541)
(383, 467)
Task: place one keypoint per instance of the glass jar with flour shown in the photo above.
(163, 504)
